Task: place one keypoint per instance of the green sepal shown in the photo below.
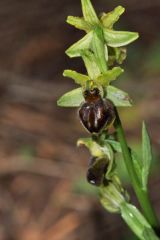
(105, 79)
(90, 63)
(84, 44)
(89, 13)
(121, 54)
(95, 149)
(116, 55)
(99, 50)
(136, 221)
(112, 195)
(112, 17)
(119, 38)
(118, 97)
(79, 23)
(77, 77)
(92, 146)
(73, 98)
(146, 156)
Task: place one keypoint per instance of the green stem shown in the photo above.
(142, 195)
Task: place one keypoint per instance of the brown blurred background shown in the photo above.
(43, 191)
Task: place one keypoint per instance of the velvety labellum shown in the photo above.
(96, 113)
(97, 170)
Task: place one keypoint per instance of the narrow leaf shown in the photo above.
(118, 97)
(91, 66)
(112, 17)
(147, 156)
(76, 49)
(110, 75)
(77, 77)
(99, 49)
(137, 166)
(88, 12)
(135, 220)
(79, 23)
(73, 98)
(149, 234)
(119, 38)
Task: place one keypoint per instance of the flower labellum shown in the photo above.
(96, 113)
(97, 170)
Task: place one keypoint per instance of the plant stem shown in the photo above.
(142, 195)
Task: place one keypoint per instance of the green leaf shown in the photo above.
(77, 77)
(112, 17)
(90, 63)
(118, 97)
(89, 13)
(110, 75)
(84, 44)
(147, 156)
(137, 165)
(73, 98)
(119, 38)
(135, 220)
(79, 23)
(99, 49)
(149, 234)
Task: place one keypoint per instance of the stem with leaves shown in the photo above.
(142, 193)
(101, 48)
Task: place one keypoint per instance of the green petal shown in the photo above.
(119, 38)
(89, 13)
(77, 77)
(82, 45)
(73, 98)
(110, 75)
(110, 18)
(147, 156)
(79, 23)
(118, 97)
